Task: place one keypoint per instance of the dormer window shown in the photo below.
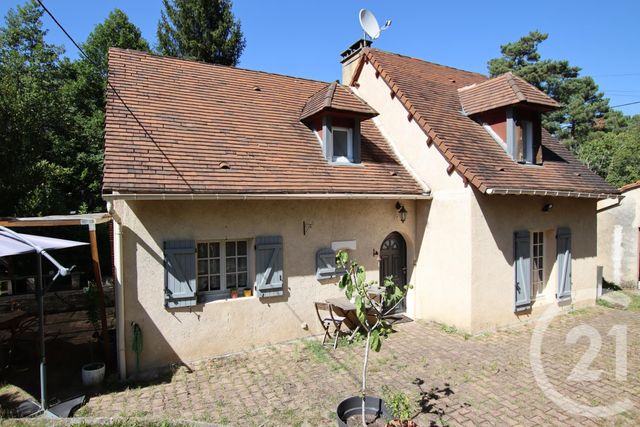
(342, 150)
(509, 109)
(334, 113)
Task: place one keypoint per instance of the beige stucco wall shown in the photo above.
(618, 233)
(444, 269)
(232, 325)
(495, 219)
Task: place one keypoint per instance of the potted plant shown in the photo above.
(234, 293)
(372, 314)
(247, 292)
(93, 373)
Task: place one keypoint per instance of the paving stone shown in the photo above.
(485, 380)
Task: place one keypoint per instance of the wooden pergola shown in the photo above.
(89, 220)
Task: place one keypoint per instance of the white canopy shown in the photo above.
(12, 245)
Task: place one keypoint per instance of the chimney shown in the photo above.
(350, 59)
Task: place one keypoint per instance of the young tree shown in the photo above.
(203, 30)
(582, 102)
(372, 312)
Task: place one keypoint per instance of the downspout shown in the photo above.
(416, 250)
(119, 291)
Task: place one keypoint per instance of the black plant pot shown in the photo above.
(353, 407)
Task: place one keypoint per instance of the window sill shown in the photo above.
(212, 298)
(345, 163)
(531, 165)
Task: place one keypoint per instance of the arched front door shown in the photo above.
(393, 262)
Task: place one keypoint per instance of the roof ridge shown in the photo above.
(427, 62)
(328, 97)
(630, 186)
(208, 64)
(514, 86)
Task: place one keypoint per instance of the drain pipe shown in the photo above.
(119, 290)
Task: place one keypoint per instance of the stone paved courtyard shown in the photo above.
(482, 380)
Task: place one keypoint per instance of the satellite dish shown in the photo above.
(370, 25)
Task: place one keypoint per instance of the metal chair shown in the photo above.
(328, 319)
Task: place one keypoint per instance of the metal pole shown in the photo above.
(43, 360)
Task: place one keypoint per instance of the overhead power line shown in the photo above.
(84, 54)
(624, 105)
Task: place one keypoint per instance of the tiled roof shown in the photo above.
(430, 93)
(219, 130)
(631, 186)
(335, 97)
(501, 91)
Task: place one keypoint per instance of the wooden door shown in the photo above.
(393, 262)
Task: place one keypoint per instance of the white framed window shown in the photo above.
(342, 149)
(537, 263)
(222, 266)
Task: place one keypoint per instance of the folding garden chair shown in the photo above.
(329, 321)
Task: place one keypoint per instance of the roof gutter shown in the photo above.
(304, 196)
(553, 193)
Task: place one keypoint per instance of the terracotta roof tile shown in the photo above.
(216, 129)
(631, 186)
(506, 89)
(336, 97)
(431, 90)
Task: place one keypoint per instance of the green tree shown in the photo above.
(202, 30)
(614, 154)
(52, 115)
(583, 103)
(32, 117)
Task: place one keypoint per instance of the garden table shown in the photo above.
(345, 308)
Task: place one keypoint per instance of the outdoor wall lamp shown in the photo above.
(402, 211)
(547, 207)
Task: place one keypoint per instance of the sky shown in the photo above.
(305, 38)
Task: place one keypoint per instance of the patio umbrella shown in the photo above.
(12, 243)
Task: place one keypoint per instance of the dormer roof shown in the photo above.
(338, 98)
(504, 90)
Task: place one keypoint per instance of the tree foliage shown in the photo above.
(614, 154)
(202, 30)
(33, 121)
(52, 115)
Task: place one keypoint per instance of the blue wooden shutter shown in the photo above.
(180, 273)
(563, 260)
(522, 264)
(326, 264)
(269, 272)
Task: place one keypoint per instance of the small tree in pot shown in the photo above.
(372, 309)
